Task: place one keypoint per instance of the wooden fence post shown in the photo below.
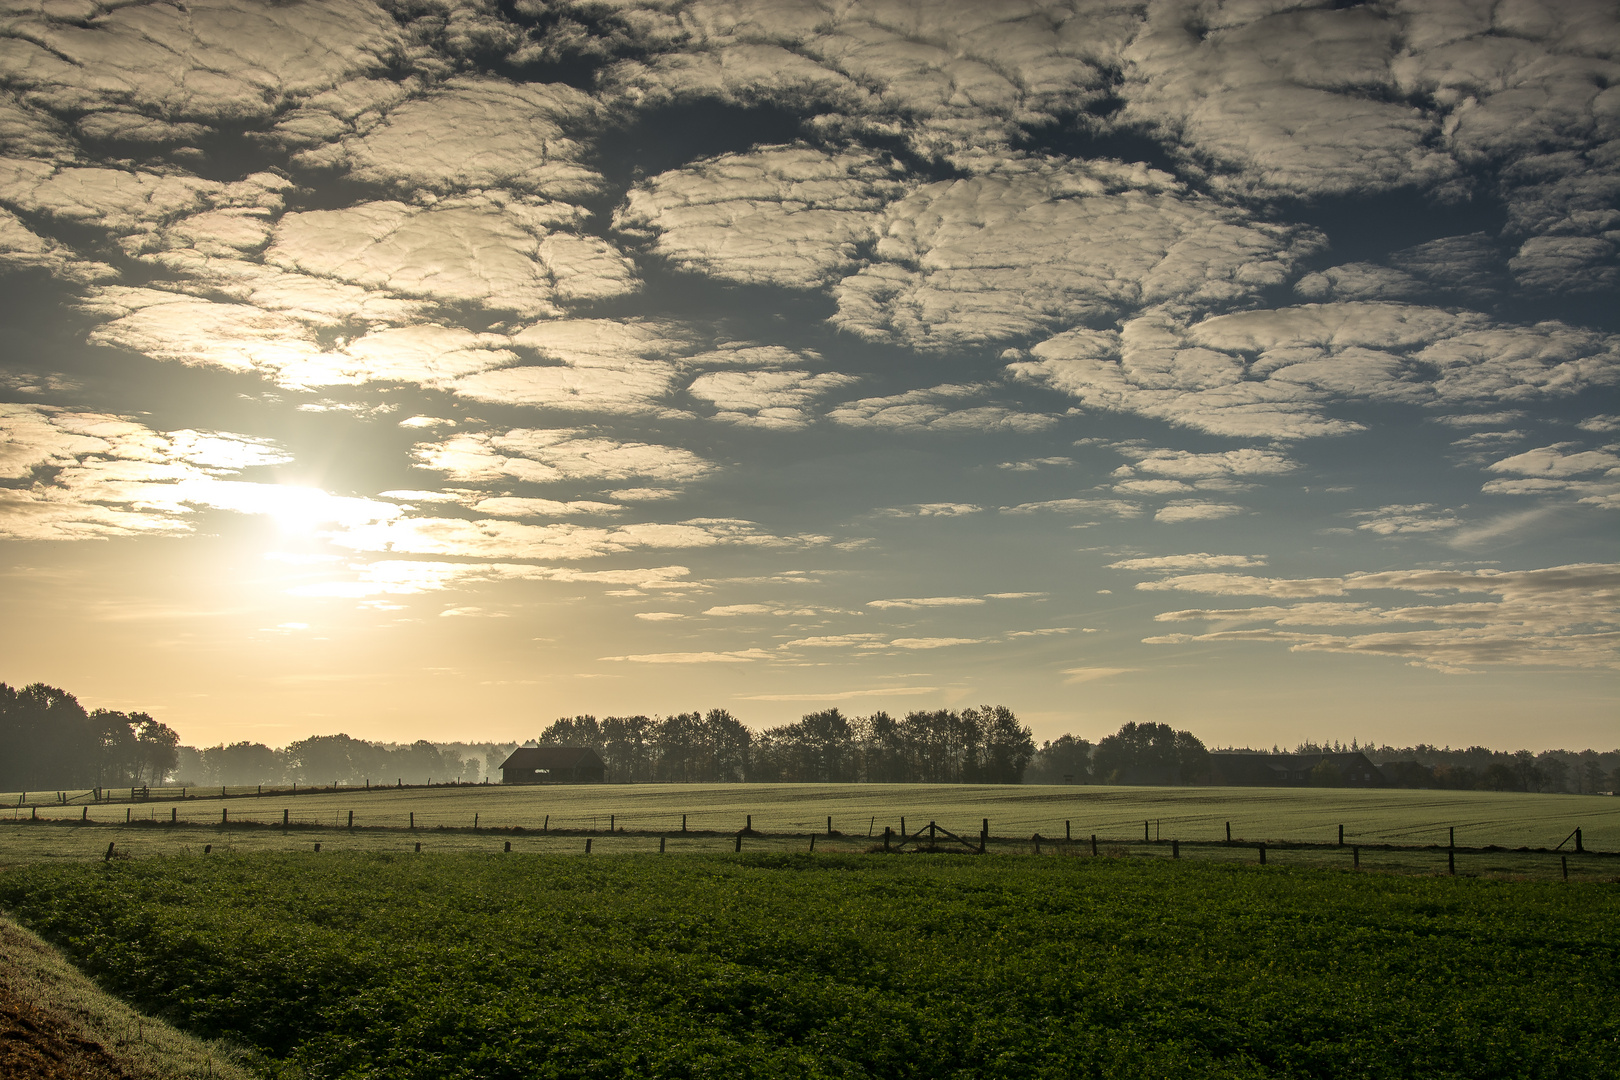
(475, 823)
(1451, 862)
(126, 814)
(1341, 836)
(812, 842)
(174, 816)
(683, 823)
(1355, 858)
(351, 821)
(210, 847)
(1578, 848)
(1066, 834)
(317, 845)
(1262, 854)
(1451, 838)
(508, 846)
(902, 827)
(1147, 832)
(887, 832)
(108, 857)
(1228, 832)
(1564, 859)
(1175, 849)
(1094, 843)
(829, 824)
(419, 847)
(739, 842)
(612, 821)
(547, 826)
(661, 840)
(413, 819)
(587, 845)
(750, 826)
(84, 813)
(224, 816)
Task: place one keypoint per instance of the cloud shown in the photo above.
(832, 641)
(467, 133)
(930, 410)
(1601, 424)
(559, 542)
(1197, 561)
(1553, 461)
(768, 399)
(556, 455)
(495, 252)
(741, 656)
(1273, 372)
(1186, 465)
(931, 510)
(1077, 675)
(510, 506)
(395, 577)
(784, 215)
(97, 475)
(927, 602)
(923, 643)
(599, 365)
(1400, 519)
(992, 258)
(659, 616)
(1561, 616)
(1195, 510)
(1113, 507)
(216, 60)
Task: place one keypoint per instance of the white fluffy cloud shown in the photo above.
(1274, 372)
(1562, 616)
(933, 410)
(508, 254)
(790, 216)
(467, 133)
(95, 476)
(557, 455)
(766, 399)
(996, 258)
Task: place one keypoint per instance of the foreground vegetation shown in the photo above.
(492, 966)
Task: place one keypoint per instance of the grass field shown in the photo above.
(1399, 816)
(487, 967)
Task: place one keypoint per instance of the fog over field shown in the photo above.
(422, 369)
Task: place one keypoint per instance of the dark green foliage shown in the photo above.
(846, 966)
(48, 740)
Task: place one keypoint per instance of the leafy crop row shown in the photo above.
(474, 966)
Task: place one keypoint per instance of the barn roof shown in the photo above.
(553, 757)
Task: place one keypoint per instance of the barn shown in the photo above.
(1294, 770)
(554, 765)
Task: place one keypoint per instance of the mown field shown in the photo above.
(791, 965)
(1401, 816)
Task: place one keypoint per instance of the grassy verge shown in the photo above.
(478, 965)
(58, 1024)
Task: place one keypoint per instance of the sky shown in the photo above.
(422, 369)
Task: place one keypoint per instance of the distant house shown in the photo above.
(1294, 770)
(554, 765)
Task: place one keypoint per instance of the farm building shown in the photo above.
(1294, 770)
(554, 765)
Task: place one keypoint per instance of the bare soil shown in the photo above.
(39, 1045)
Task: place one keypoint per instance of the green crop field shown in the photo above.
(485, 966)
(1391, 815)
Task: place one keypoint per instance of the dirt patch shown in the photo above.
(38, 1045)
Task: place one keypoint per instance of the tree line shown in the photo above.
(984, 745)
(48, 740)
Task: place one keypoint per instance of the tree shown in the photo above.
(627, 749)
(1006, 745)
(1150, 753)
(1326, 774)
(155, 753)
(242, 763)
(1063, 760)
